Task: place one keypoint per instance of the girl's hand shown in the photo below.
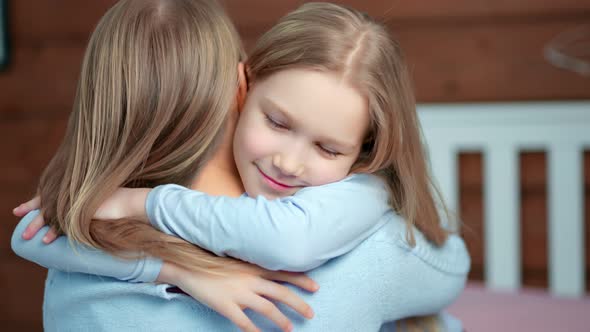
(26, 207)
(37, 223)
(124, 203)
(243, 286)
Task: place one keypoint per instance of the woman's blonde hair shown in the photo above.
(157, 84)
(336, 39)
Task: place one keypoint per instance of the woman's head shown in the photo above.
(359, 56)
(157, 84)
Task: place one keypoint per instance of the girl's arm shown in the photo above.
(63, 255)
(295, 233)
(234, 287)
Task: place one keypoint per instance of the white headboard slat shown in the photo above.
(501, 202)
(445, 158)
(501, 131)
(566, 224)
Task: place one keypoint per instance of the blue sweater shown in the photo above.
(412, 281)
(293, 233)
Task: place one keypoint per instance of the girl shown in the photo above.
(372, 158)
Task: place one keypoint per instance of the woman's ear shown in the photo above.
(242, 86)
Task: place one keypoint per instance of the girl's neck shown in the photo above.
(220, 175)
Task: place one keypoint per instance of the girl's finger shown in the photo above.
(270, 311)
(50, 236)
(294, 278)
(285, 295)
(238, 317)
(27, 207)
(33, 227)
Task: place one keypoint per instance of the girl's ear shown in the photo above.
(242, 86)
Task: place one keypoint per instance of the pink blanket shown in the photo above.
(483, 310)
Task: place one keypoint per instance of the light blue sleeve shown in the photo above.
(295, 233)
(64, 256)
(419, 280)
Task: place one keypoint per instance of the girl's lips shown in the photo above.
(274, 183)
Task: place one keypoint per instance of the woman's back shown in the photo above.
(349, 298)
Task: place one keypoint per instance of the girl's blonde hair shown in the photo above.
(336, 39)
(157, 84)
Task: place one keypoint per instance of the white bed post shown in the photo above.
(444, 167)
(566, 224)
(501, 131)
(501, 216)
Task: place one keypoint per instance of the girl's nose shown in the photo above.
(287, 165)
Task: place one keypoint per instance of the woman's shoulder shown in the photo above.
(390, 242)
(391, 278)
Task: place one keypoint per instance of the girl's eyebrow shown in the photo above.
(345, 146)
(274, 105)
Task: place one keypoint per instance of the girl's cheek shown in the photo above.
(325, 171)
(259, 142)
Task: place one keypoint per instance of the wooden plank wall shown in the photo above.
(459, 50)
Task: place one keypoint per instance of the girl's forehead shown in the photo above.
(314, 84)
(317, 102)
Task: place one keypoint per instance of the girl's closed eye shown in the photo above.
(274, 123)
(331, 153)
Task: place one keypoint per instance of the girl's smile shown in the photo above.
(274, 184)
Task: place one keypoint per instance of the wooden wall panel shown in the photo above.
(28, 147)
(44, 22)
(488, 62)
(471, 210)
(40, 81)
(22, 290)
(534, 219)
(41, 21)
(247, 15)
(27, 144)
(458, 50)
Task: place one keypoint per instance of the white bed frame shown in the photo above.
(500, 131)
